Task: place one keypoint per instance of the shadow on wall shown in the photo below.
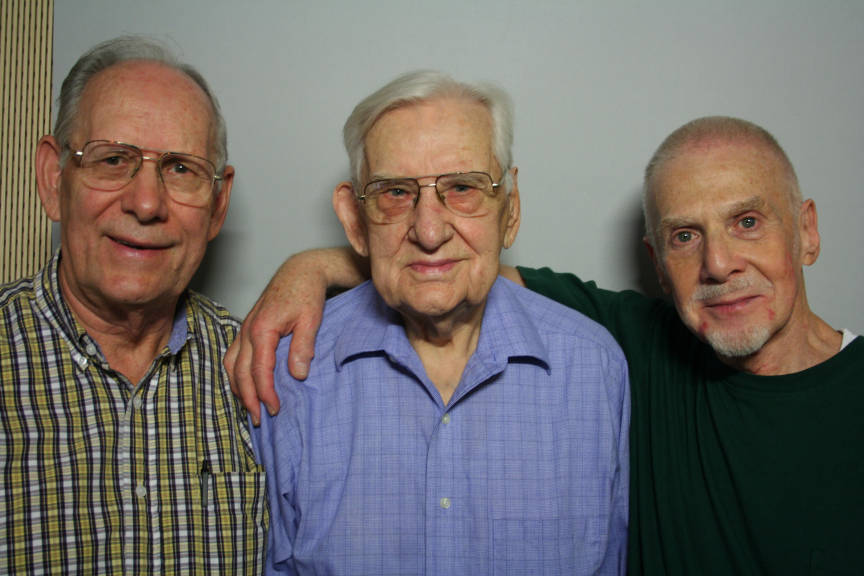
(636, 257)
(207, 277)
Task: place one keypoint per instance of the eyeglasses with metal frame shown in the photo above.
(467, 194)
(108, 166)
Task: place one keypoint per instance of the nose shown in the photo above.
(720, 259)
(431, 226)
(145, 196)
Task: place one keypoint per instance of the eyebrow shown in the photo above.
(752, 203)
(373, 177)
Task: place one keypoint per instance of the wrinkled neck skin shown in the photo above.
(445, 343)
(129, 337)
(805, 341)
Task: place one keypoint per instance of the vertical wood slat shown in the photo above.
(26, 46)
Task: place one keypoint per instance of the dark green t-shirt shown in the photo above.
(731, 473)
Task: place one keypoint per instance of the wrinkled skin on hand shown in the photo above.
(292, 302)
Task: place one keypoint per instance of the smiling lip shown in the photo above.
(433, 267)
(136, 244)
(730, 306)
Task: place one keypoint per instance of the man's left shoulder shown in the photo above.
(211, 315)
(551, 318)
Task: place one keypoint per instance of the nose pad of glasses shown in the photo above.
(434, 186)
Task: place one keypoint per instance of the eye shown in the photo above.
(460, 188)
(397, 192)
(178, 168)
(748, 222)
(683, 236)
(682, 239)
(112, 159)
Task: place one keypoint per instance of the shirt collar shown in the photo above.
(183, 327)
(508, 331)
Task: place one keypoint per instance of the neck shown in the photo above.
(804, 342)
(129, 337)
(444, 346)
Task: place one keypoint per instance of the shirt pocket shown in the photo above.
(233, 522)
(546, 546)
(232, 493)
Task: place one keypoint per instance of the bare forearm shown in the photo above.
(292, 303)
(335, 267)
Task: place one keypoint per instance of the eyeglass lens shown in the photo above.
(465, 194)
(109, 166)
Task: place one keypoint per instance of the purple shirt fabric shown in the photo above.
(525, 471)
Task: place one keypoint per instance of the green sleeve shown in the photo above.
(627, 315)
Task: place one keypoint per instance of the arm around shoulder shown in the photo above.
(292, 303)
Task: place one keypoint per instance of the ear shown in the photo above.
(48, 175)
(220, 204)
(514, 211)
(658, 265)
(808, 230)
(347, 209)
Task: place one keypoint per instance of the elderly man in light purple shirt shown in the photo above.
(452, 422)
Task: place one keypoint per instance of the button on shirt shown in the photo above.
(525, 471)
(99, 475)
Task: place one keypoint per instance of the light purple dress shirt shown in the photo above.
(525, 471)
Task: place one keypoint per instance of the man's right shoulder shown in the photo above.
(16, 292)
(18, 308)
(341, 311)
(21, 323)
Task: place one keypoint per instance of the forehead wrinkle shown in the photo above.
(117, 92)
(441, 133)
(388, 176)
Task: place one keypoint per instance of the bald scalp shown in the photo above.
(701, 136)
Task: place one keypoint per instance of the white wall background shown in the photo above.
(597, 85)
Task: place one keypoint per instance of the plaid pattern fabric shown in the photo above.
(99, 475)
(524, 471)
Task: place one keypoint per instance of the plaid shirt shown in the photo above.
(99, 475)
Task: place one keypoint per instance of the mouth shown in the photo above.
(724, 306)
(432, 268)
(133, 244)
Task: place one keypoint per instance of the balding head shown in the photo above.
(704, 134)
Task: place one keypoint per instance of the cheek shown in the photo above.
(682, 283)
(384, 242)
(482, 237)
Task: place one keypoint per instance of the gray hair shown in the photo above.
(125, 49)
(717, 128)
(420, 86)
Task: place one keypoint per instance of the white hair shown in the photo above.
(420, 86)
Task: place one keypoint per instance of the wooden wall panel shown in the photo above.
(26, 44)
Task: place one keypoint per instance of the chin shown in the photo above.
(738, 343)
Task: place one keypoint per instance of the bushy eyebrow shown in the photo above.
(752, 203)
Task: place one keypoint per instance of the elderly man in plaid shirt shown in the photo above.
(122, 449)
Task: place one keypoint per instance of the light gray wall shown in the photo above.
(596, 84)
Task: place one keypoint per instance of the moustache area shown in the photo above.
(708, 292)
